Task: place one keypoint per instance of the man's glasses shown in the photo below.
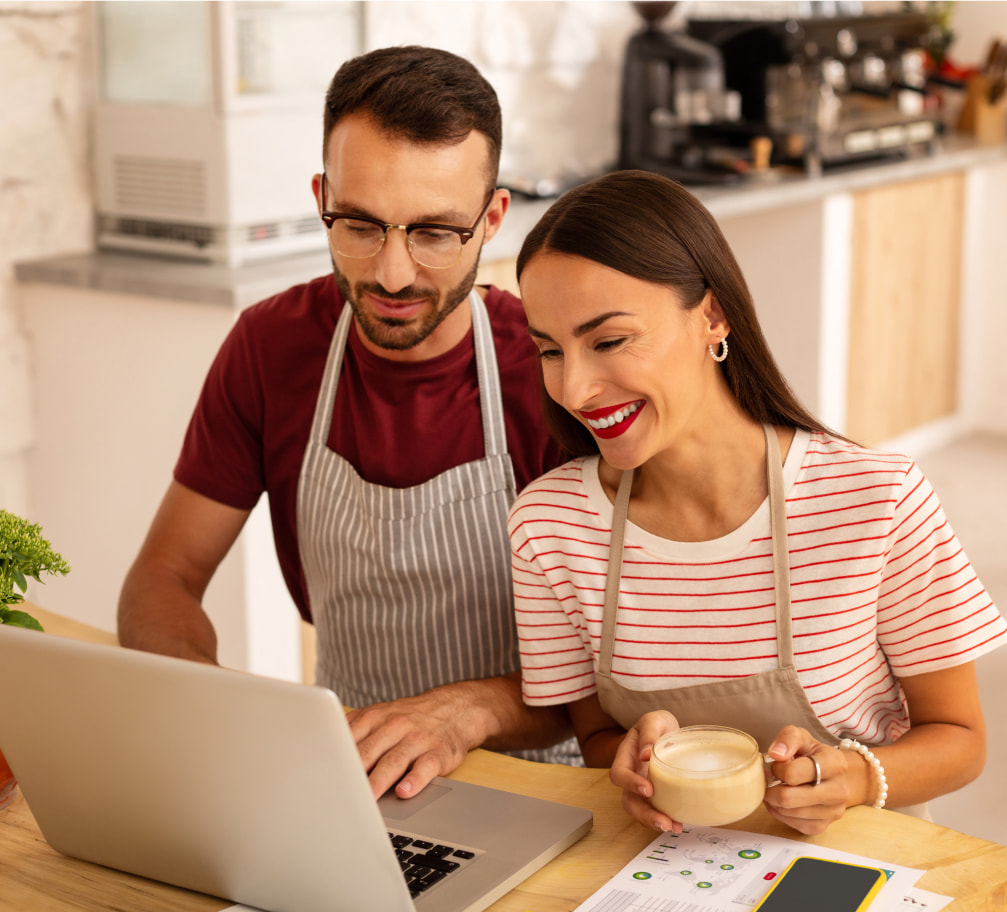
(433, 246)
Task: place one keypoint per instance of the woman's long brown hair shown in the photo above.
(651, 228)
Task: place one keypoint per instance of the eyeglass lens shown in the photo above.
(428, 246)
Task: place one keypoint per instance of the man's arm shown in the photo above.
(429, 735)
(160, 607)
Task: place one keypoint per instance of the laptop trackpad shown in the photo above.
(394, 808)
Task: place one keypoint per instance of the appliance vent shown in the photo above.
(149, 229)
(264, 232)
(310, 225)
(268, 231)
(158, 186)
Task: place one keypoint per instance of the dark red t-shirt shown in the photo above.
(398, 423)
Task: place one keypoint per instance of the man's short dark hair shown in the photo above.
(423, 95)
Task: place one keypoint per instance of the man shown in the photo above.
(391, 412)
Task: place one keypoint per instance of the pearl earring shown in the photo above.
(723, 351)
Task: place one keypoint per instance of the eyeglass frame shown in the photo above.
(464, 234)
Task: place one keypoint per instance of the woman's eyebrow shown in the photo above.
(584, 328)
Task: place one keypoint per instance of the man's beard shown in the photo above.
(400, 335)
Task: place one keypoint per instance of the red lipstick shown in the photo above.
(612, 421)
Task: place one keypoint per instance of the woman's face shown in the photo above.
(622, 355)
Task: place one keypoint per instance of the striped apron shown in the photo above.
(410, 588)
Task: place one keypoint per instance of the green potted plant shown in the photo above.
(24, 554)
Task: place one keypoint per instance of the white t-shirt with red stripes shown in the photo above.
(880, 588)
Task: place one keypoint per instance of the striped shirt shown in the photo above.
(880, 587)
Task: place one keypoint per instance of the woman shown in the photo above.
(774, 576)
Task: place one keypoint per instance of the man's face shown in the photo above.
(400, 305)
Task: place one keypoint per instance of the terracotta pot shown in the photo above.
(8, 784)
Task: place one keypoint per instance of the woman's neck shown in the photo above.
(704, 487)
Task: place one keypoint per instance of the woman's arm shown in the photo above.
(944, 750)
(598, 734)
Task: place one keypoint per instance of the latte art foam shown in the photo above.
(711, 759)
(707, 776)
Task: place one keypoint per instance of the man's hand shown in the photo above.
(412, 740)
(424, 736)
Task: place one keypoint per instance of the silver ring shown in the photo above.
(818, 771)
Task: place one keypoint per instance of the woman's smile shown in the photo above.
(613, 348)
(613, 421)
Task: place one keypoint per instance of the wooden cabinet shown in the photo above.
(501, 273)
(904, 306)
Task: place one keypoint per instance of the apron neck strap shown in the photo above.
(490, 393)
(781, 558)
(614, 575)
(781, 549)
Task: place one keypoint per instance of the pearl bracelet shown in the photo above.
(879, 770)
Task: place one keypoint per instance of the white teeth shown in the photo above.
(615, 418)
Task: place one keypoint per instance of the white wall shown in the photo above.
(984, 299)
(113, 412)
(974, 24)
(554, 66)
(45, 191)
(789, 309)
(984, 279)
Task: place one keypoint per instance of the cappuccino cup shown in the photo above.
(707, 775)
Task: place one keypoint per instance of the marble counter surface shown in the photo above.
(239, 287)
(173, 279)
(955, 154)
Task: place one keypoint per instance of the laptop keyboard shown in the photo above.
(425, 862)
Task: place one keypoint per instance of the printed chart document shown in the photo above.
(709, 869)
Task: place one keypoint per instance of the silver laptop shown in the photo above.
(247, 788)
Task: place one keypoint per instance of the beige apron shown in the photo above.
(760, 704)
(755, 704)
(410, 588)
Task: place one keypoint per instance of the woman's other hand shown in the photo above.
(629, 770)
(813, 781)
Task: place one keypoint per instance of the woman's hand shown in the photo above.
(814, 781)
(629, 770)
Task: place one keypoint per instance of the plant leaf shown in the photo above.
(20, 619)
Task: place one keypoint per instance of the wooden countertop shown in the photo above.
(974, 871)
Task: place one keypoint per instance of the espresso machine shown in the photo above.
(827, 91)
(673, 96)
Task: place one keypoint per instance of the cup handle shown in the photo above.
(767, 763)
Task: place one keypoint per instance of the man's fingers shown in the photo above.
(399, 750)
(424, 769)
(375, 743)
(408, 742)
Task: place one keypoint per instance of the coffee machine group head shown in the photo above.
(672, 88)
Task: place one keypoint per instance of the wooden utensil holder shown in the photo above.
(986, 121)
